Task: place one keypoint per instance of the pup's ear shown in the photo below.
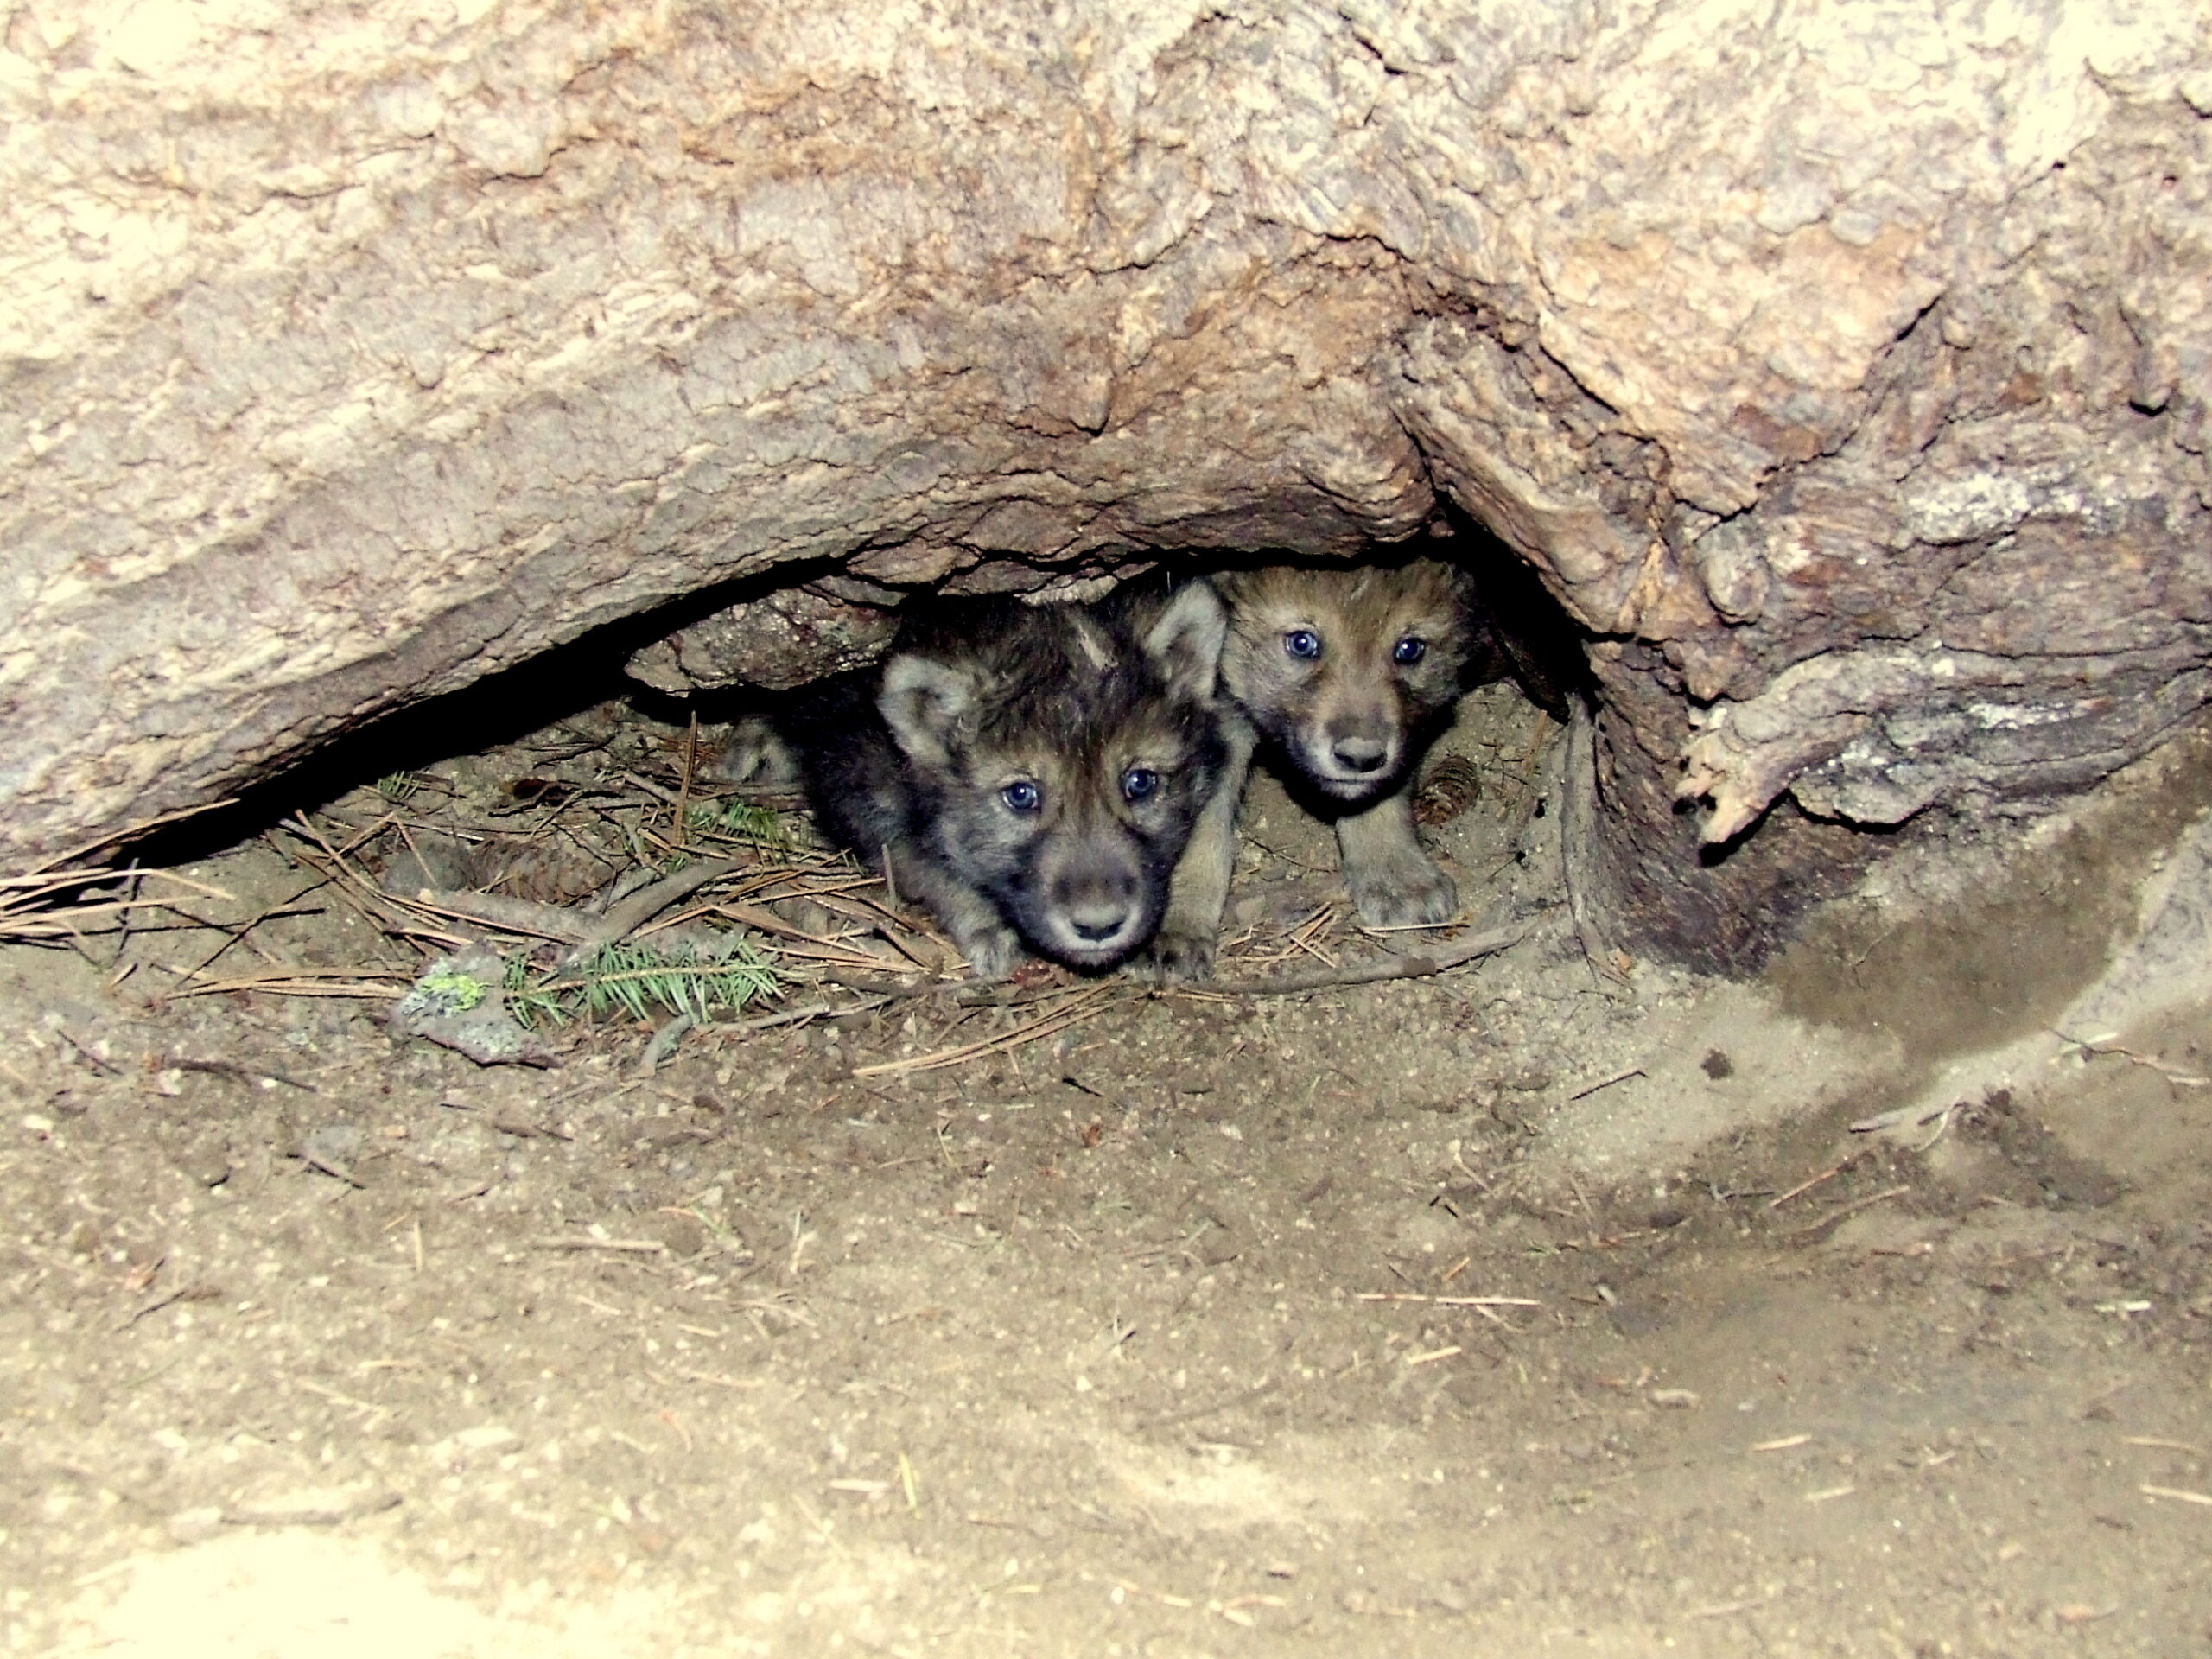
(1233, 585)
(1455, 582)
(1185, 640)
(922, 701)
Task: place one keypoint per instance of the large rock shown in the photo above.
(1842, 370)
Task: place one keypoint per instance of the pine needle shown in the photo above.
(646, 982)
(746, 821)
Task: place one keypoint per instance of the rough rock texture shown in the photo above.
(781, 639)
(1843, 368)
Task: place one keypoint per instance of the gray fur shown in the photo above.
(914, 765)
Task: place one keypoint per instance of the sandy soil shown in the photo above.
(1548, 1306)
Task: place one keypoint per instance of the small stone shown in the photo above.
(335, 1144)
(683, 1235)
(314, 1506)
(195, 1526)
(1427, 1231)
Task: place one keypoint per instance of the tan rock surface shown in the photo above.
(1847, 368)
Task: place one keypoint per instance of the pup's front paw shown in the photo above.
(1176, 955)
(1405, 892)
(992, 952)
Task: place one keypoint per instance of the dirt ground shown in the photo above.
(1550, 1304)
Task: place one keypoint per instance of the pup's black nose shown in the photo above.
(1097, 925)
(1360, 753)
(1099, 903)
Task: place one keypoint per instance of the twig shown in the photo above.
(367, 1407)
(302, 824)
(1449, 1301)
(44, 884)
(850, 967)
(37, 907)
(965, 993)
(1728, 1609)
(1374, 971)
(718, 1380)
(206, 889)
(664, 1044)
(297, 981)
(1277, 852)
(1607, 1082)
(508, 914)
(1045, 1024)
(1854, 1207)
(130, 831)
(626, 1246)
(2107, 1046)
(332, 1167)
(761, 919)
(236, 933)
(1805, 1187)
(666, 797)
(99, 1062)
(684, 789)
(232, 1069)
(791, 1016)
(643, 905)
(393, 911)
(196, 1292)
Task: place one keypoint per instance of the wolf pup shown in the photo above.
(1032, 774)
(1346, 675)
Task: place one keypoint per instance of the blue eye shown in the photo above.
(1138, 782)
(1302, 642)
(1022, 796)
(1409, 650)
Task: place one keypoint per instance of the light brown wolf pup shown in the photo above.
(1344, 675)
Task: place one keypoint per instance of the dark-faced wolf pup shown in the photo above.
(1030, 773)
(1345, 676)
